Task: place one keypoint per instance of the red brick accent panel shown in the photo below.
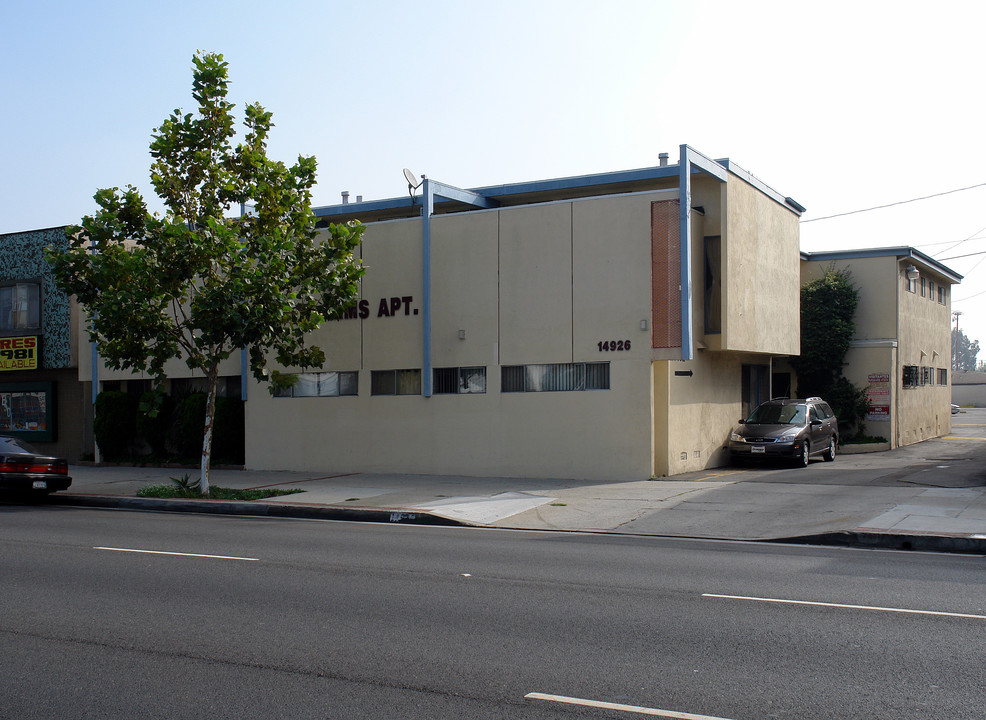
(665, 273)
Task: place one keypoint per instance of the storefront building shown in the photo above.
(41, 398)
(901, 352)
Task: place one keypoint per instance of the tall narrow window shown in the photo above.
(713, 284)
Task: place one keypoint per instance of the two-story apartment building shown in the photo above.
(603, 326)
(901, 352)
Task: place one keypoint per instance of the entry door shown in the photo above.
(756, 386)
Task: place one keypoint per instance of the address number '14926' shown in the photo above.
(614, 345)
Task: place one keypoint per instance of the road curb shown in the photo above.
(962, 544)
(232, 507)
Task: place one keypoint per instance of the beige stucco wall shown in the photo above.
(761, 273)
(894, 328)
(925, 340)
(532, 284)
(876, 279)
(692, 426)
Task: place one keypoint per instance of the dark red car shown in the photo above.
(24, 468)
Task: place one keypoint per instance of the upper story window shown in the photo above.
(941, 294)
(924, 286)
(20, 306)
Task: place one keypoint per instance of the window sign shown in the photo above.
(19, 353)
(27, 410)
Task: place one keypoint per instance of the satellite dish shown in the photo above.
(412, 183)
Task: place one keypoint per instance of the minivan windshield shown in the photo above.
(778, 415)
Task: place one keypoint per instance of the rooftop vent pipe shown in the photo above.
(663, 157)
(345, 197)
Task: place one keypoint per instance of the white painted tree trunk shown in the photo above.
(210, 418)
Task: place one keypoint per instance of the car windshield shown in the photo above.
(778, 415)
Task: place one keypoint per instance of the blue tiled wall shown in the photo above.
(22, 258)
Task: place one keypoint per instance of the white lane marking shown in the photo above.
(849, 607)
(162, 552)
(617, 706)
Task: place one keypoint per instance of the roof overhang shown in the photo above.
(901, 253)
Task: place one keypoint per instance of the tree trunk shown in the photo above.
(210, 420)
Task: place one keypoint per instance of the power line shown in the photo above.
(956, 257)
(900, 202)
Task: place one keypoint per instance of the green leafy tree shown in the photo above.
(196, 284)
(964, 351)
(828, 308)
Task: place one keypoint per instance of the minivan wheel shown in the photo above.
(830, 453)
(803, 458)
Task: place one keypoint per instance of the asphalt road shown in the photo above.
(315, 619)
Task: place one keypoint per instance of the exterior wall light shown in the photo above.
(912, 273)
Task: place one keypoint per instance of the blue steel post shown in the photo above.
(429, 206)
(685, 239)
(244, 364)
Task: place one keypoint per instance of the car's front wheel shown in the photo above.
(802, 460)
(830, 453)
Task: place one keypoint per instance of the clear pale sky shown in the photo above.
(841, 105)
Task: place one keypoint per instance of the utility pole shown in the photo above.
(955, 340)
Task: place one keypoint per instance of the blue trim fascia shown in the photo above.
(468, 197)
(579, 181)
(788, 202)
(369, 206)
(898, 252)
(487, 196)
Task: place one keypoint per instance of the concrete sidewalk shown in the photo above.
(926, 496)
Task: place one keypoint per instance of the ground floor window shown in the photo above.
(911, 376)
(27, 410)
(555, 377)
(395, 382)
(942, 376)
(466, 380)
(321, 384)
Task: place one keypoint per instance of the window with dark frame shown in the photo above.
(20, 306)
(395, 382)
(321, 384)
(911, 376)
(461, 381)
(555, 377)
(942, 376)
